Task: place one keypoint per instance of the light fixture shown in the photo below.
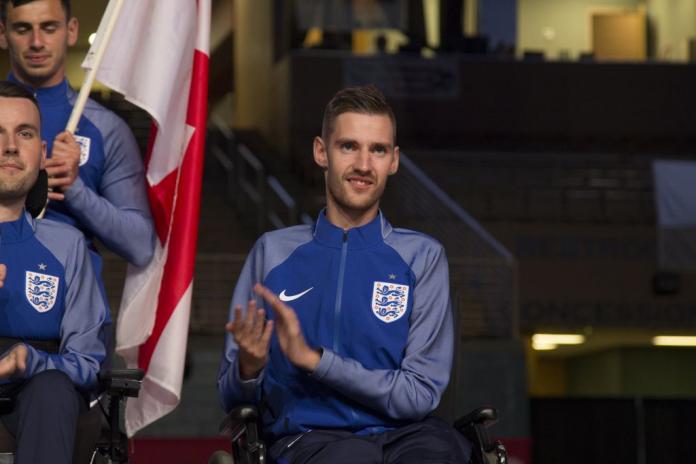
(543, 346)
(558, 339)
(91, 38)
(674, 340)
(549, 341)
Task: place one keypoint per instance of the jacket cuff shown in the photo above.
(327, 359)
(248, 386)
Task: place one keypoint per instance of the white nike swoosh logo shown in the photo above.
(284, 297)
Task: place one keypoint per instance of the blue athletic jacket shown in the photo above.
(376, 300)
(108, 200)
(50, 293)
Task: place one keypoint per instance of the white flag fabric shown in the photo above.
(158, 59)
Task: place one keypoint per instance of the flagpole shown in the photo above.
(99, 54)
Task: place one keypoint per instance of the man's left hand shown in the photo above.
(15, 361)
(289, 332)
(63, 165)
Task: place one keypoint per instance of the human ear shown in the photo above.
(394, 166)
(320, 156)
(42, 164)
(73, 31)
(3, 38)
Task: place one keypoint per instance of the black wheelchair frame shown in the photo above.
(115, 385)
(242, 425)
(111, 443)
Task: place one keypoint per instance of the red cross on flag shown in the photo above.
(158, 59)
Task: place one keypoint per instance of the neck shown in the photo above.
(349, 219)
(11, 210)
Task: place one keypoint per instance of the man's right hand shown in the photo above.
(14, 361)
(63, 165)
(252, 333)
(3, 274)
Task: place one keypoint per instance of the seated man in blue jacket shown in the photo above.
(357, 348)
(51, 310)
(98, 185)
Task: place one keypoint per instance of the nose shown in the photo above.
(37, 41)
(9, 146)
(363, 162)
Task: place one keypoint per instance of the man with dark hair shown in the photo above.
(3, 7)
(357, 350)
(98, 183)
(51, 310)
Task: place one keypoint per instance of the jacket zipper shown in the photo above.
(339, 298)
(339, 290)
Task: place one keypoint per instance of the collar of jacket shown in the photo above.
(371, 234)
(47, 96)
(17, 230)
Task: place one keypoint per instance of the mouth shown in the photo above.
(37, 59)
(360, 183)
(10, 167)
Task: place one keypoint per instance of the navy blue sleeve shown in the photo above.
(232, 389)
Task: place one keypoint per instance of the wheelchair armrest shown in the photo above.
(242, 425)
(123, 382)
(485, 415)
(127, 374)
(240, 416)
(473, 427)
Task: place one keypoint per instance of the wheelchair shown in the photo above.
(99, 437)
(242, 425)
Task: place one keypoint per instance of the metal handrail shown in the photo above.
(483, 272)
(249, 185)
(455, 208)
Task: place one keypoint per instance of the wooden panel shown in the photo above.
(619, 36)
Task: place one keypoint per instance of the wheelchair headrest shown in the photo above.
(38, 195)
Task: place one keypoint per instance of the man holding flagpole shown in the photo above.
(96, 174)
(172, 87)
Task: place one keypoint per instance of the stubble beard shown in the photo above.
(37, 77)
(341, 196)
(16, 189)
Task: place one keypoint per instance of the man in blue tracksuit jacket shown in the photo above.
(99, 183)
(357, 349)
(48, 293)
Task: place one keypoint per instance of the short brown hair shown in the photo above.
(11, 90)
(366, 99)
